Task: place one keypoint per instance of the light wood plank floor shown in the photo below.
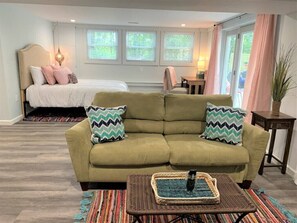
(37, 182)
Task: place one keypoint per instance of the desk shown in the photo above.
(266, 120)
(195, 82)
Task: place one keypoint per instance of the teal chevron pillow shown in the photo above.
(224, 124)
(106, 123)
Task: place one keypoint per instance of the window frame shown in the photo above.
(103, 61)
(139, 62)
(194, 49)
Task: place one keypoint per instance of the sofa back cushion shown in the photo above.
(186, 114)
(143, 126)
(145, 111)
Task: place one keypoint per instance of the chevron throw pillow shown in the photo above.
(224, 124)
(106, 123)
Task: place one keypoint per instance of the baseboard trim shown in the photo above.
(292, 173)
(12, 121)
(145, 86)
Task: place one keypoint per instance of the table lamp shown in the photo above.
(200, 69)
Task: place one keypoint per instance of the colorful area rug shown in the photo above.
(109, 206)
(56, 115)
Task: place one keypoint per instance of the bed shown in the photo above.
(70, 95)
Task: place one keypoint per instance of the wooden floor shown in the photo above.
(37, 182)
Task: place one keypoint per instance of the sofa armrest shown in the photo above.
(79, 144)
(255, 141)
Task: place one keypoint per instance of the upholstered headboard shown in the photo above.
(31, 55)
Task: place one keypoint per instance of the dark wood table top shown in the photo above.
(192, 79)
(141, 199)
(268, 115)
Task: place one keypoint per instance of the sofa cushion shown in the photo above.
(136, 150)
(191, 150)
(224, 124)
(143, 106)
(143, 126)
(106, 123)
(191, 107)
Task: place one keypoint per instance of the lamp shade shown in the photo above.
(201, 65)
(59, 57)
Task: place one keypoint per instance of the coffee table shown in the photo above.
(141, 201)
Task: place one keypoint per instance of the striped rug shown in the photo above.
(53, 119)
(56, 115)
(109, 206)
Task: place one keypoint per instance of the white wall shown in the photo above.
(17, 29)
(72, 43)
(288, 36)
(3, 102)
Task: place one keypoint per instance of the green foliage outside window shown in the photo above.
(140, 46)
(247, 42)
(102, 45)
(246, 50)
(178, 47)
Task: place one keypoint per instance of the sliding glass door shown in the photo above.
(236, 50)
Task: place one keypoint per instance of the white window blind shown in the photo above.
(141, 46)
(178, 47)
(102, 44)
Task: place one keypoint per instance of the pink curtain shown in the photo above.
(212, 84)
(257, 89)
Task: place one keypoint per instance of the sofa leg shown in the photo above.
(246, 184)
(84, 186)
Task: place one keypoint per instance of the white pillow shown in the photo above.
(37, 75)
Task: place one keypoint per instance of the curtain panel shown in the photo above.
(257, 89)
(212, 84)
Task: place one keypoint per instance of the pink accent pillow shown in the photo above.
(48, 74)
(61, 75)
(55, 67)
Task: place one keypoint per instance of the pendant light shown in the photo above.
(59, 57)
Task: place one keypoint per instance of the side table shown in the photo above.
(266, 120)
(195, 82)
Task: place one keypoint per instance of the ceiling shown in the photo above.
(160, 13)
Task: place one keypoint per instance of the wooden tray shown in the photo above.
(211, 183)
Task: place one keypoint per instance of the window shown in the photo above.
(238, 44)
(103, 45)
(178, 48)
(141, 46)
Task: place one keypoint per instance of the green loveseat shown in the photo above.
(162, 135)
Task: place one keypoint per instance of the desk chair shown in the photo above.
(170, 83)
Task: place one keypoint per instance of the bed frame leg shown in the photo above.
(24, 109)
(23, 104)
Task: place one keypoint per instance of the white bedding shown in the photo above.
(70, 95)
